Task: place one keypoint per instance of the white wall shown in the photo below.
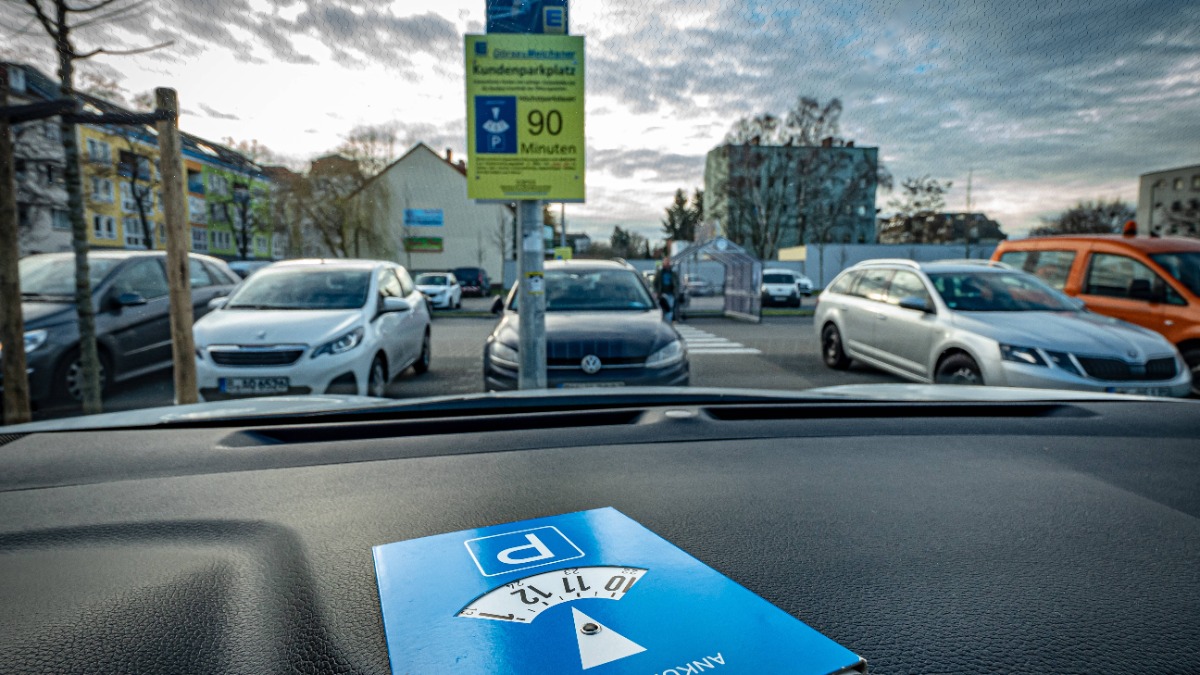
(423, 180)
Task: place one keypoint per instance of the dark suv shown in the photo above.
(133, 328)
(473, 280)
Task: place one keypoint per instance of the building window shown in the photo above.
(21, 168)
(49, 174)
(199, 239)
(197, 210)
(61, 219)
(50, 131)
(195, 182)
(99, 151)
(104, 227)
(277, 246)
(1178, 184)
(160, 232)
(1196, 182)
(260, 244)
(102, 190)
(23, 215)
(218, 213)
(135, 236)
(221, 240)
(218, 185)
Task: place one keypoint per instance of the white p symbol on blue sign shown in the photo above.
(496, 140)
(523, 549)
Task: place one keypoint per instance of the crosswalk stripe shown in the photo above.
(702, 342)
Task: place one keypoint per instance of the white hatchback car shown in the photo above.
(442, 289)
(314, 327)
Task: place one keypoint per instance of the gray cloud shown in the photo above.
(666, 166)
(217, 114)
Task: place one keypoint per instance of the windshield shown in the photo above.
(714, 166)
(46, 276)
(998, 292)
(303, 288)
(1185, 267)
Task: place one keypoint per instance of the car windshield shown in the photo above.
(55, 276)
(1184, 266)
(998, 292)
(716, 165)
(303, 288)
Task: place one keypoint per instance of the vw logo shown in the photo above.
(1132, 353)
(590, 364)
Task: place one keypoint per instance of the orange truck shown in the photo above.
(1153, 282)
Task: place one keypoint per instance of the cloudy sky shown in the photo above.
(1048, 101)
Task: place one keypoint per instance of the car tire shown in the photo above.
(797, 302)
(1192, 358)
(421, 365)
(831, 348)
(458, 303)
(68, 378)
(377, 379)
(958, 369)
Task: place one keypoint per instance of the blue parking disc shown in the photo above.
(587, 592)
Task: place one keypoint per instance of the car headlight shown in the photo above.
(343, 344)
(33, 340)
(504, 355)
(1026, 355)
(1063, 360)
(667, 356)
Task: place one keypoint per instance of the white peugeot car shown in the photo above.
(442, 289)
(314, 327)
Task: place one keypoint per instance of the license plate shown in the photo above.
(1140, 391)
(253, 385)
(780, 298)
(585, 385)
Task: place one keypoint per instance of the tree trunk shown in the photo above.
(12, 324)
(89, 355)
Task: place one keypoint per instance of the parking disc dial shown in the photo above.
(523, 600)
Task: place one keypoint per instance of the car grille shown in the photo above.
(1117, 370)
(611, 353)
(255, 356)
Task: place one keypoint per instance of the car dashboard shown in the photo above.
(1035, 536)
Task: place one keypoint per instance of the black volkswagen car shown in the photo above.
(133, 328)
(602, 329)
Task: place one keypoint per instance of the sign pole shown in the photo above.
(532, 301)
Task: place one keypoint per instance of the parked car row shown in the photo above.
(295, 327)
(973, 322)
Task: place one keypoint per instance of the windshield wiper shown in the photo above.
(49, 297)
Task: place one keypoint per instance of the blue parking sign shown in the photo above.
(588, 593)
(521, 550)
(496, 124)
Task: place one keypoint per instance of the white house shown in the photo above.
(420, 207)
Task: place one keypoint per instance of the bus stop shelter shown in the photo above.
(743, 275)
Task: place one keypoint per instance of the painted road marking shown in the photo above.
(703, 342)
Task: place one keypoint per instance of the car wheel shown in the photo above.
(831, 348)
(797, 302)
(958, 369)
(1192, 358)
(458, 303)
(377, 380)
(68, 377)
(421, 365)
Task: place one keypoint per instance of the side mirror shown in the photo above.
(498, 305)
(391, 304)
(218, 302)
(918, 304)
(129, 299)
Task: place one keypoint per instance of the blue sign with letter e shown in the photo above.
(588, 593)
(521, 550)
(496, 124)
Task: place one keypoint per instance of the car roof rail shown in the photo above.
(975, 261)
(893, 261)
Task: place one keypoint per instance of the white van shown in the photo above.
(781, 286)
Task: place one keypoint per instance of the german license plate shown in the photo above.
(585, 385)
(1140, 391)
(780, 298)
(253, 385)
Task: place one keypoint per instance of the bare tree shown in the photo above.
(1088, 217)
(373, 147)
(60, 21)
(920, 196)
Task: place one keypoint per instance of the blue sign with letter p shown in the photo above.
(520, 550)
(496, 124)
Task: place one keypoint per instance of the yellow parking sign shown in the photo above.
(525, 117)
